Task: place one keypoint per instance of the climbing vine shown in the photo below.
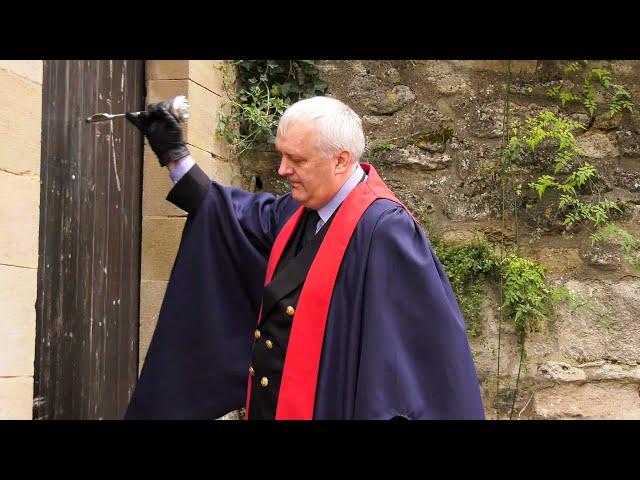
(264, 88)
(525, 294)
(592, 88)
(467, 267)
(258, 92)
(576, 182)
(527, 299)
(575, 179)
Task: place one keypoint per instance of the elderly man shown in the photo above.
(324, 303)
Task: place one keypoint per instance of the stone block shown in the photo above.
(31, 69)
(162, 90)
(588, 401)
(203, 158)
(556, 260)
(157, 184)
(203, 120)
(207, 73)
(151, 296)
(19, 220)
(501, 66)
(223, 172)
(160, 242)
(20, 124)
(606, 326)
(167, 69)
(597, 145)
(17, 321)
(16, 398)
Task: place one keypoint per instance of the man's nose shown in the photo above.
(284, 169)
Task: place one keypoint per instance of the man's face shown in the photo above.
(311, 174)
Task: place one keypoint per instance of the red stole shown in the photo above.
(296, 398)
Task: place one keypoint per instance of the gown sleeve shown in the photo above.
(198, 359)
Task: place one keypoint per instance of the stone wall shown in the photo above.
(162, 224)
(20, 131)
(452, 112)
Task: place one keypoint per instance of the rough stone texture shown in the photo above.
(615, 337)
(610, 371)
(628, 143)
(597, 145)
(389, 101)
(415, 158)
(379, 97)
(485, 346)
(583, 365)
(603, 256)
(446, 79)
(457, 237)
(628, 180)
(589, 401)
(561, 372)
(517, 66)
(557, 260)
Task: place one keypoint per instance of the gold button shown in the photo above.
(290, 310)
(251, 371)
(264, 381)
(257, 334)
(269, 344)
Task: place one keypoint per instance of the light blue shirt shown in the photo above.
(184, 165)
(351, 183)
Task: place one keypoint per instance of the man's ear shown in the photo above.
(343, 160)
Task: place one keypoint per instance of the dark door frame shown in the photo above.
(87, 308)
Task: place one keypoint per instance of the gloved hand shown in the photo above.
(162, 131)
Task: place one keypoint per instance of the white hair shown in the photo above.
(338, 126)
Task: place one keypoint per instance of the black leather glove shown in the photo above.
(162, 131)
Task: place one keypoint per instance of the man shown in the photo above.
(324, 303)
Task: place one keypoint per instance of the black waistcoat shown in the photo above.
(279, 303)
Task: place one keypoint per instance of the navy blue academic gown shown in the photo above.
(395, 341)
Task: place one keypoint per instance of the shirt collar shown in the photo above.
(351, 183)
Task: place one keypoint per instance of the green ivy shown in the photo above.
(528, 299)
(571, 176)
(596, 83)
(568, 179)
(467, 267)
(263, 89)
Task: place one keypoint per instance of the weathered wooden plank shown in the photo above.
(88, 277)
